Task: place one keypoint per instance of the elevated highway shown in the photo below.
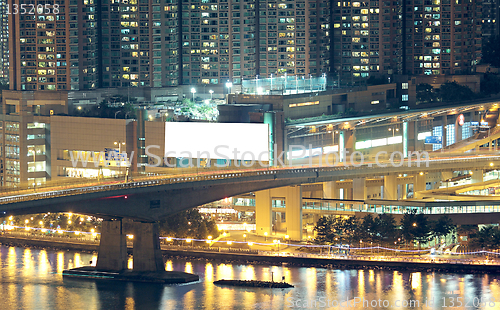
(154, 198)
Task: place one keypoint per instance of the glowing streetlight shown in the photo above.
(193, 91)
(211, 94)
(229, 85)
(277, 242)
(245, 236)
(265, 235)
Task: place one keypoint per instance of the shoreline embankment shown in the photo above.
(331, 263)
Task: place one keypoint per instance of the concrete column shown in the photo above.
(358, 189)
(147, 251)
(404, 191)
(113, 247)
(419, 183)
(263, 212)
(390, 187)
(330, 190)
(477, 176)
(294, 212)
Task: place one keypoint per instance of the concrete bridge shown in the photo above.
(153, 198)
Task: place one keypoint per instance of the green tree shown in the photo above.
(415, 227)
(442, 227)
(491, 51)
(425, 93)
(337, 229)
(324, 233)
(487, 238)
(188, 224)
(368, 229)
(386, 228)
(490, 84)
(452, 91)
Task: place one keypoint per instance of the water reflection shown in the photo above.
(31, 279)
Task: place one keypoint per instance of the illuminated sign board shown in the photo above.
(434, 140)
(302, 104)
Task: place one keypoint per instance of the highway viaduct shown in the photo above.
(153, 198)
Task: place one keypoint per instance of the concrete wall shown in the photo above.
(83, 134)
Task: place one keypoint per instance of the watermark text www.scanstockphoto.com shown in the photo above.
(297, 155)
(446, 301)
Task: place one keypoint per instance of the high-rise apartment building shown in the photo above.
(53, 45)
(4, 43)
(431, 37)
(490, 14)
(235, 40)
(155, 43)
(91, 44)
(442, 37)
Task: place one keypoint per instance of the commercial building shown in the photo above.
(301, 102)
(402, 131)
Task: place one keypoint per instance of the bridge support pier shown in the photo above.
(419, 184)
(113, 247)
(390, 187)
(358, 189)
(147, 251)
(263, 212)
(330, 190)
(293, 211)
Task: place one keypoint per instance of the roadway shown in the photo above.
(155, 197)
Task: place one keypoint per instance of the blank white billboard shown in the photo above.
(217, 140)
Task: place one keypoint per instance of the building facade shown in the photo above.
(84, 45)
(416, 37)
(4, 43)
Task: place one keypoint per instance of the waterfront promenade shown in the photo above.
(480, 262)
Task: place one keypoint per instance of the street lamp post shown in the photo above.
(211, 94)
(229, 85)
(193, 91)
